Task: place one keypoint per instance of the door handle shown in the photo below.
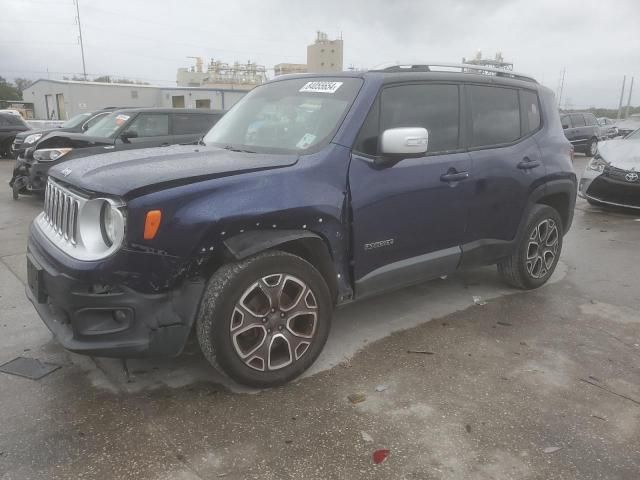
(165, 144)
(454, 176)
(527, 164)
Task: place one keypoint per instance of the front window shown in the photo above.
(109, 125)
(76, 120)
(289, 116)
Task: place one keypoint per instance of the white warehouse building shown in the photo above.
(62, 99)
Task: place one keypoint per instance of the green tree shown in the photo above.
(21, 84)
(8, 91)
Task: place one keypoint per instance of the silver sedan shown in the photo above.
(612, 176)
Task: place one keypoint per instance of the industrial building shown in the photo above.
(62, 99)
(324, 55)
(238, 76)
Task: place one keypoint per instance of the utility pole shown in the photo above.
(84, 68)
(629, 100)
(624, 80)
(564, 70)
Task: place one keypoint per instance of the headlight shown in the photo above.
(33, 138)
(111, 224)
(50, 154)
(101, 226)
(597, 164)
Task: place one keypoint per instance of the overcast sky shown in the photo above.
(598, 42)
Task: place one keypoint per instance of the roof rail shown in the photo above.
(448, 67)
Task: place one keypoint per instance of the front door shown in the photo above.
(146, 130)
(409, 215)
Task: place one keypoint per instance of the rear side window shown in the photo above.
(435, 107)
(578, 120)
(531, 111)
(184, 123)
(495, 115)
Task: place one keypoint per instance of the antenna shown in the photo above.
(84, 68)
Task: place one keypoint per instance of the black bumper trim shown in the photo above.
(159, 324)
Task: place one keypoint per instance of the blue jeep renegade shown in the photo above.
(313, 191)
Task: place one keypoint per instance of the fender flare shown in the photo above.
(246, 244)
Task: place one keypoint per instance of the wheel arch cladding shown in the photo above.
(560, 203)
(302, 243)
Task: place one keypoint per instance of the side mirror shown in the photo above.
(565, 126)
(125, 136)
(404, 141)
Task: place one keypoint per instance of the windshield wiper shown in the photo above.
(233, 149)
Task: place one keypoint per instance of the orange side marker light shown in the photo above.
(152, 224)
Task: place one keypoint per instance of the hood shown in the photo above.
(75, 140)
(129, 173)
(42, 131)
(623, 154)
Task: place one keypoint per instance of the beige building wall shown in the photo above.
(288, 68)
(325, 55)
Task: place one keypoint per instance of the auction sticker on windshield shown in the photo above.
(321, 87)
(121, 119)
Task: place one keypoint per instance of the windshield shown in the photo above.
(109, 125)
(75, 121)
(288, 116)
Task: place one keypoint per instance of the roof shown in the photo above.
(82, 82)
(135, 85)
(201, 111)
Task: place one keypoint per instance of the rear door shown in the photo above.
(146, 130)
(409, 214)
(506, 164)
(580, 130)
(190, 127)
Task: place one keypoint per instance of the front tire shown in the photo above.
(264, 320)
(538, 251)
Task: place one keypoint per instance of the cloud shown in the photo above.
(595, 41)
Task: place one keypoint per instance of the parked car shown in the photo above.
(583, 131)
(10, 126)
(312, 192)
(628, 125)
(612, 177)
(607, 127)
(77, 124)
(126, 129)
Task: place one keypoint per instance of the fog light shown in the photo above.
(120, 316)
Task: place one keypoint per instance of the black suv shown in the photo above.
(583, 131)
(77, 124)
(312, 192)
(125, 129)
(10, 126)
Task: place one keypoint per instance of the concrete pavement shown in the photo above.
(542, 384)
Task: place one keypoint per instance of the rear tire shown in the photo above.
(592, 147)
(264, 320)
(538, 250)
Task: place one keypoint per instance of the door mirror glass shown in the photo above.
(405, 140)
(565, 126)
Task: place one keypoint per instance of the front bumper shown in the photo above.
(609, 188)
(31, 174)
(114, 320)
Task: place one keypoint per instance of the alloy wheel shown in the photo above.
(274, 322)
(542, 248)
(593, 148)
